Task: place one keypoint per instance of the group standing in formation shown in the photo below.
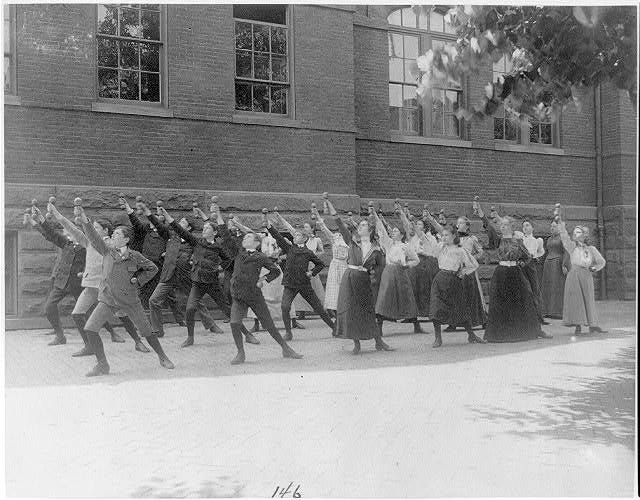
(422, 268)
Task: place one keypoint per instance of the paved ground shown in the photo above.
(542, 418)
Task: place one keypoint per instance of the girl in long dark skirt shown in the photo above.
(556, 267)
(395, 297)
(425, 245)
(512, 310)
(356, 316)
(448, 303)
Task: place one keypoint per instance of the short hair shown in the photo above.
(106, 224)
(127, 232)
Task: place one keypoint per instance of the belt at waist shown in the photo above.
(356, 268)
(508, 263)
(448, 271)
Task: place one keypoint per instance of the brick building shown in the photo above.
(263, 105)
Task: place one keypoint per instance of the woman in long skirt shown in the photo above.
(556, 267)
(579, 306)
(448, 303)
(512, 309)
(396, 299)
(425, 245)
(473, 295)
(337, 266)
(533, 269)
(356, 315)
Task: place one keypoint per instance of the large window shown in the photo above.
(412, 33)
(507, 126)
(262, 83)
(130, 41)
(9, 49)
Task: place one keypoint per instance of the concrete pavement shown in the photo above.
(542, 418)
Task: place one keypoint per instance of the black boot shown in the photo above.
(578, 330)
(356, 347)
(450, 328)
(79, 320)
(295, 324)
(417, 328)
(596, 329)
(59, 339)
(381, 345)
(95, 343)
(288, 336)
(188, 342)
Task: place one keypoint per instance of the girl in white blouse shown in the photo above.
(579, 306)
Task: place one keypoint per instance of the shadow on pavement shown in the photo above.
(600, 411)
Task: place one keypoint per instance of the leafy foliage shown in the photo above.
(556, 53)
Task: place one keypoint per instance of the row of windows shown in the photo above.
(131, 45)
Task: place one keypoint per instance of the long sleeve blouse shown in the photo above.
(582, 255)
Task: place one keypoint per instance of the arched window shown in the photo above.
(413, 31)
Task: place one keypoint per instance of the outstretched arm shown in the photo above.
(568, 245)
(285, 223)
(71, 228)
(280, 240)
(94, 238)
(182, 232)
(385, 240)
(344, 230)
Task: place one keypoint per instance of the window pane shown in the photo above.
(7, 74)
(395, 18)
(408, 18)
(411, 121)
(437, 113)
(108, 83)
(395, 95)
(395, 45)
(107, 19)
(498, 128)
(436, 21)
(276, 14)
(243, 36)
(150, 87)
(451, 101)
(394, 118)
(511, 127)
(411, 72)
(261, 98)
(129, 85)
(451, 125)
(150, 25)
(149, 57)
(130, 23)
(243, 96)
(260, 38)
(423, 19)
(396, 69)
(107, 53)
(534, 133)
(278, 40)
(129, 55)
(279, 100)
(410, 47)
(545, 133)
(410, 99)
(243, 63)
(261, 66)
(279, 68)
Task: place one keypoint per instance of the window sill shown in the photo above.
(435, 141)
(12, 100)
(257, 119)
(126, 109)
(530, 148)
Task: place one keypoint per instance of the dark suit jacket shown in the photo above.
(177, 256)
(145, 240)
(207, 257)
(246, 272)
(294, 274)
(71, 258)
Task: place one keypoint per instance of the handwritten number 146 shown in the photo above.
(282, 492)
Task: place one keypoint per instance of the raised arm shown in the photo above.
(163, 229)
(325, 230)
(71, 228)
(285, 223)
(568, 245)
(182, 232)
(385, 240)
(434, 223)
(50, 234)
(344, 230)
(94, 238)
(241, 227)
(406, 224)
(280, 240)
